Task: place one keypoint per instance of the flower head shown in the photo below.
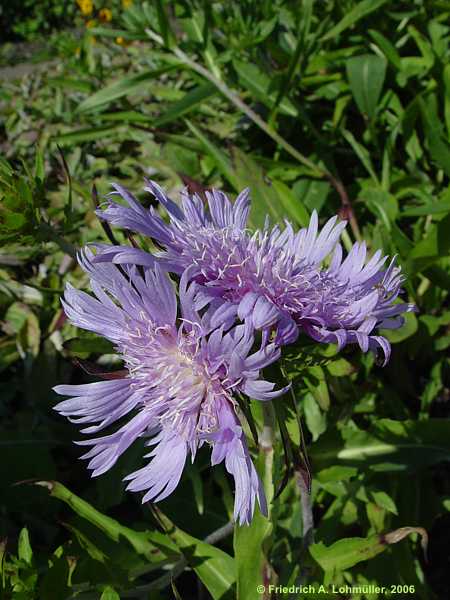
(280, 280)
(86, 6)
(179, 391)
(105, 15)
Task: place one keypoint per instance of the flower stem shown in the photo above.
(266, 441)
(307, 512)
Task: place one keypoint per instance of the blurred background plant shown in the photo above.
(334, 106)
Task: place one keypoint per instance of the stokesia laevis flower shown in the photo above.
(182, 374)
(279, 279)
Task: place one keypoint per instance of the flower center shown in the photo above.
(175, 382)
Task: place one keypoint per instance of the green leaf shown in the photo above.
(359, 11)
(439, 146)
(113, 33)
(8, 354)
(382, 204)
(340, 473)
(24, 550)
(120, 88)
(304, 28)
(258, 83)
(127, 116)
(91, 134)
(215, 568)
(317, 385)
(109, 594)
(366, 75)
(293, 206)
(426, 247)
(436, 243)
(193, 475)
(316, 420)
(424, 46)
(68, 83)
(361, 153)
(250, 559)
(433, 323)
(16, 316)
(388, 49)
(265, 199)
(88, 546)
(182, 160)
(25, 324)
(163, 23)
(14, 221)
(219, 157)
(312, 193)
(189, 101)
(435, 208)
(383, 500)
(407, 330)
(39, 165)
(340, 368)
(145, 543)
(32, 334)
(446, 79)
(197, 30)
(388, 445)
(348, 552)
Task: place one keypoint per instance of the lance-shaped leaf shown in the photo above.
(24, 549)
(219, 157)
(348, 552)
(186, 104)
(121, 87)
(366, 75)
(359, 11)
(214, 567)
(151, 544)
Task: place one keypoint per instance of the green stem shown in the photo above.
(346, 241)
(266, 442)
(307, 512)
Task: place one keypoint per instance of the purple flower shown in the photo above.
(179, 391)
(280, 280)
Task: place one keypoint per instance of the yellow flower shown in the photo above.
(105, 15)
(86, 7)
(90, 24)
(127, 3)
(121, 41)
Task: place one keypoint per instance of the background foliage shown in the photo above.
(334, 106)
